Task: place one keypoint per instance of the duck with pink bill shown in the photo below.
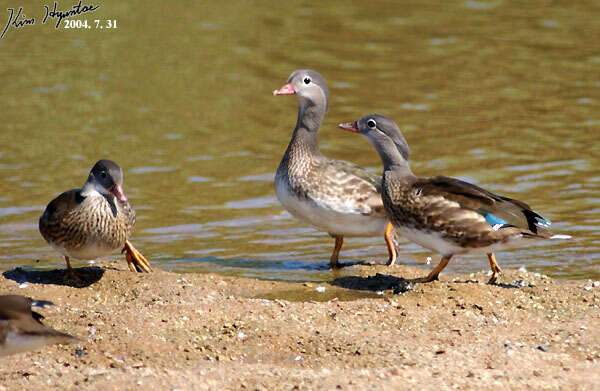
(93, 221)
(334, 196)
(443, 214)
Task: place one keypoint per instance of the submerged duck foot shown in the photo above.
(339, 265)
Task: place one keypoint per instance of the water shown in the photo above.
(503, 94)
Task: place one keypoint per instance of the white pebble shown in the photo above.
(494, 320)
(428, 260)
(298, 358)
(380, 293)
(23, 285)
(241, 335)
(587, 288)
(596, 284)
(91, 262)
(522, 269)
(320, 289)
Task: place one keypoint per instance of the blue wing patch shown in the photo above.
(495, 222)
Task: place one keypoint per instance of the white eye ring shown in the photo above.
(371, 123)
(306, 80)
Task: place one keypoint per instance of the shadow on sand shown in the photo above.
(382, 282)
(84, 276)
(378, 282)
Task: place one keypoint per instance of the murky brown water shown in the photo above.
(504, 94)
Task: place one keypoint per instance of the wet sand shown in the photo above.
(204, 331)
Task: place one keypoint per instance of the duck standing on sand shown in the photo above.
(21, 329)
(93, 221)
(337, 197)
(444, 214)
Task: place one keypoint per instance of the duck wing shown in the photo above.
(344, 186)
(498, 211)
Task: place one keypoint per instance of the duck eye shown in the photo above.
(103, 174)
(371, 124)
(307, 80)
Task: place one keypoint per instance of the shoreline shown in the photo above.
(207, 331)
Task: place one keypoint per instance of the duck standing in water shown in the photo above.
(93, 221)
(444, 214)
(21, 329)
(337, 197)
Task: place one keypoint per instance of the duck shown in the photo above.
(334, 196)
(21, 329)
(93, 221)
(447, 215)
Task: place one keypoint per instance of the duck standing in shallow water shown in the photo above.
(444, 214)
(21, 329)
(93, 221)
(337, 197)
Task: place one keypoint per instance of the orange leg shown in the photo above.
(135, 260)
(435, 272)
(389, 240)
(70, 271)
(333, 261)
(495, 268)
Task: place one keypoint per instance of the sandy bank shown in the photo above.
(203, 331)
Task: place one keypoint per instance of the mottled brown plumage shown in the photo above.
(21, 329)
(337, 197)
(86, 227)
(318, 179)
(92, 221)
(430, 205)
(444, 214)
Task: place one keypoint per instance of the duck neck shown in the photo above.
(310, 117)
(394, 161)
(89, 188)
(401, 170)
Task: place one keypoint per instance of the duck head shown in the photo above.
(106, 177)
(309, 86)
(384, 135)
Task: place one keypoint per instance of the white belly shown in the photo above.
(433, 241)
(430, 240)
(336, 222)
(86, 252)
